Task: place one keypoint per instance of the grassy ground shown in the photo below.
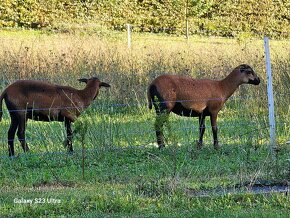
(123, 173)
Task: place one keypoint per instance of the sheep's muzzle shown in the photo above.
(255, 81)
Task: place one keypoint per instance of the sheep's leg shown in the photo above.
(201, 119)
(162, 113)
(21, 134)
(11, 134)
(69, 135)
(213, 120)
(159, 123)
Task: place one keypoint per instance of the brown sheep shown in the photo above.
(190, 97)
(42, 101)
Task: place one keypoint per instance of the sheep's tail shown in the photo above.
(1, 101)
(149, 96)
(152, 94)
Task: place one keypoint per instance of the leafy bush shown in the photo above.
(224, 18)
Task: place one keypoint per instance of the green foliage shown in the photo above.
(81, 128)
(224, 18)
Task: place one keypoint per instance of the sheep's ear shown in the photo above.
(104, 84)
(83, 80)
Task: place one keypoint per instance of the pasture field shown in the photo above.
(123, 174)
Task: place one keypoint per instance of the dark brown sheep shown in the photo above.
(190, 97)
(42, 101)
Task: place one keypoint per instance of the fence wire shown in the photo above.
(138, 104)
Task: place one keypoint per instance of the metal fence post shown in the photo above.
(272, 123)
(129, 35)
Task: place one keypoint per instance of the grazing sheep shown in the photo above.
(42, 101)
(190, 97)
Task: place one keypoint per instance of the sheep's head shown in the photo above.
(94, 81)
(248, 75)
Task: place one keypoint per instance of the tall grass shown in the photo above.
(59, 57)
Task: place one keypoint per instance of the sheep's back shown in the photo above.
(37, 94)
(194, 94)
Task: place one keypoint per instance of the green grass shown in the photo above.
(140, 182)
(120, 201)
(124, 172)
(126, 175)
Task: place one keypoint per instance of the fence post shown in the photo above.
(129, 35)
(272, 145)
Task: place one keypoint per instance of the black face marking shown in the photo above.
(246, 69)
(87, 80)
(256, 81)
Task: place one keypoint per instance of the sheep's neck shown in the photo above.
(230, 85)
(88, 94)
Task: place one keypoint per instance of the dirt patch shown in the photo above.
(53, 185)
(40, 186)
(264, 187)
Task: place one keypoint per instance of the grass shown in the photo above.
(106, 201)
(139, 182)
(124, 173)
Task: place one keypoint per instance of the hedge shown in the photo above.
(215, 17)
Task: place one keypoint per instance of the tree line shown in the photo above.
(211, 17)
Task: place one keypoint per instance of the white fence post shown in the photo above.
(129, 35)
(270, 97)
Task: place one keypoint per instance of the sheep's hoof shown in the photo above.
(217, 146)
(65, 143)
(70, 152)
(26, 149)
(198, 145)
(12, 157)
